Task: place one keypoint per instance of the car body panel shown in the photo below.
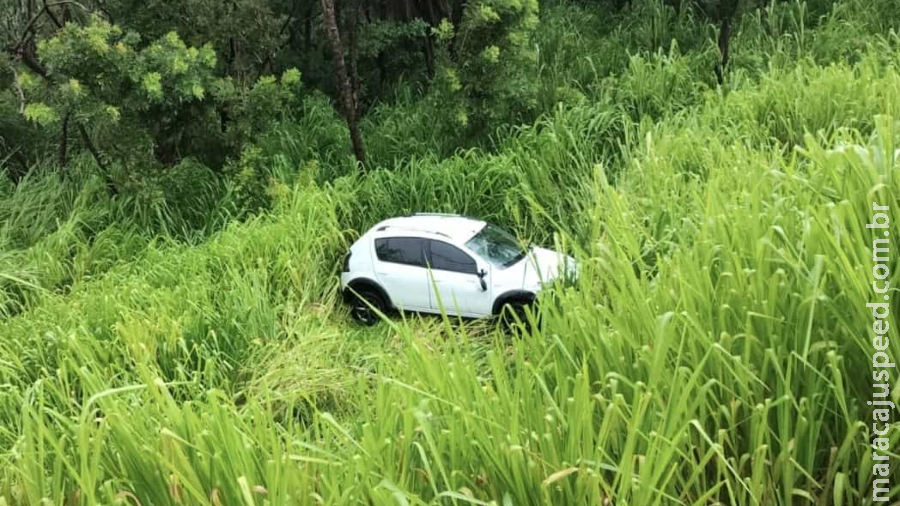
(458, 293)
(407, 285)
(451, 281)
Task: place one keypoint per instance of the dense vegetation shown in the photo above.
(181, 179)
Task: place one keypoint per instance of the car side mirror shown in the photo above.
(481, 274)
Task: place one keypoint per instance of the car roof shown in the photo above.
(454, 227)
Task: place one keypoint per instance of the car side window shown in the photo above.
(450, 258)
(401, 250)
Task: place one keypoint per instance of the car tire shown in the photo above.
(363, 306)
(513, 310)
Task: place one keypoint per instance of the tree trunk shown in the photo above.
(724, 30)
(63, 141)
(428, 51)
(457, 18)
(763, 7)
(346, 91)
(111, 188)
(728, 9)
(354, 75)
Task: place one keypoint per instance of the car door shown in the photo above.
(401, 269)
(456, 283)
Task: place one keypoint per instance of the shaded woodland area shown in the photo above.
(143, 85)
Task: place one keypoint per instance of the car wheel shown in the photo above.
(363, 306)
(514, 312)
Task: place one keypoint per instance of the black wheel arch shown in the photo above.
(512, 295)
(365, 283)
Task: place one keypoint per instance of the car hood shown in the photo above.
(539, 267)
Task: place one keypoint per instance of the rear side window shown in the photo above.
(447, 257)
(401, 250)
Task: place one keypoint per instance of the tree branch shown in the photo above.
(270, 56)
(110, 184)
(52, 16)
(19, 51)
(90, 146)
(45, 8)
(31, 62)
(287, 23)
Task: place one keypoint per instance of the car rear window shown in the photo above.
(401, 250)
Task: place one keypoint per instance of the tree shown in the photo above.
(345, 88)
(145, 106)
(246, 34)
(487, 62)
(24, 23)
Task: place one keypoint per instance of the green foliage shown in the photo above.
(21, 142)
(487, 64)
(150, 105)
(389, 53)
(255, 111)
(243, 33)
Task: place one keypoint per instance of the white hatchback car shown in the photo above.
(433, 262)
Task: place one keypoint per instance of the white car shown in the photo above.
(433, 262)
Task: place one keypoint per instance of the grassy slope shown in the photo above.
(716, 347)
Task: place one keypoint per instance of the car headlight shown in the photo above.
(569, 269)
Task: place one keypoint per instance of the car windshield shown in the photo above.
(497, 246)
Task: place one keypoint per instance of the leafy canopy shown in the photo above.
(148, 105)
